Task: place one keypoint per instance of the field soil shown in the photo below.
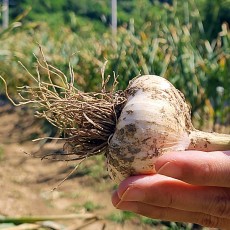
(27, 183)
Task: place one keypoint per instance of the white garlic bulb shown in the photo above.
(155, 119)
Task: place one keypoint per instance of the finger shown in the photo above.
(159, 190)
(196, 167)
(171, 214)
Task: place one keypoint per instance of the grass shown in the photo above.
(90, 206)
(123, 216)
(1, 153)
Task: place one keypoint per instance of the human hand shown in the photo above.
(190, 186)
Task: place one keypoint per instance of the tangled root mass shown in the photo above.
(86, 120)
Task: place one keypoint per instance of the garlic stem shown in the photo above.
(205, 141)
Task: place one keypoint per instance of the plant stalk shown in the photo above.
(207, 142)
(33, 219)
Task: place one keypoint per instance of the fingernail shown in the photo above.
(170, 169)
(132, 183)
(133, 194)
(115, 199)
(127, 206)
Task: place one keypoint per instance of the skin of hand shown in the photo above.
(189, 186)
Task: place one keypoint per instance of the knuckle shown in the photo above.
(169, 198)
(207, 171)
(209, 221)
(164, 196)
(160, 214)
(219, 205)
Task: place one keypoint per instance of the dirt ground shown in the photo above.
(26, 182)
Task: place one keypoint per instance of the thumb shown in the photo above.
(196, 167)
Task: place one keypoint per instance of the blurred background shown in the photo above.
(187, 42)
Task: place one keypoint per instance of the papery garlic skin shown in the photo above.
(154, 120)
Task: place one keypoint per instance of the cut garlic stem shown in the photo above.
(207, 142)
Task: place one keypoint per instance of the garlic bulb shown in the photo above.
(154, 120)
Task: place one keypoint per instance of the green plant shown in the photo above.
(90, 206)
(121, 217)
(1, 153)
